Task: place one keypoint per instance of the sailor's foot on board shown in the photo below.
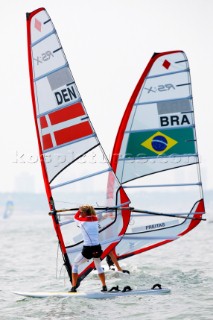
(78, 283)
(104, 289)
(73, 289)
(126, 271)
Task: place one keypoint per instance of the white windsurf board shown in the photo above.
(95, 294)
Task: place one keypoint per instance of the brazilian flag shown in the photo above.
(158, 143)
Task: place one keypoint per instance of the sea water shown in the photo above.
(30, 261)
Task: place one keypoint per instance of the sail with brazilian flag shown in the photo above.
(74, 165)
(155, 156)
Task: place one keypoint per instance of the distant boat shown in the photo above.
(8, 211)
(155, 157)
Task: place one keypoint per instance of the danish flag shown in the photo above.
(64, 126)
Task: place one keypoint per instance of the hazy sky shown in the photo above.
(108, 43)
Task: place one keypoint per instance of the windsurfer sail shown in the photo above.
(155, 156)
(8, 211)
(74, 165)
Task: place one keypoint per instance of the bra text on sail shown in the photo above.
(174, 120)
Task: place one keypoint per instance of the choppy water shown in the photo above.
(28, 260)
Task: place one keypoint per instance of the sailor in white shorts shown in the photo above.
(87, 220)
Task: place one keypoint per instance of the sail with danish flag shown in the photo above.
(155, 156)
(74, 165)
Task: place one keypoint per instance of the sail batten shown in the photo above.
(166, 100)
(69, 143)
(151, 238)
(164, 185)
(129, 159)
(135, 214)
(181, 61)
(166, 74)
(49, 73)
(80, 178)
(158, 128)
(43, 38)
(58, 108)
(183, 84)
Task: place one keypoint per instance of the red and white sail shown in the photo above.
(155, 156)
(75, 168)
